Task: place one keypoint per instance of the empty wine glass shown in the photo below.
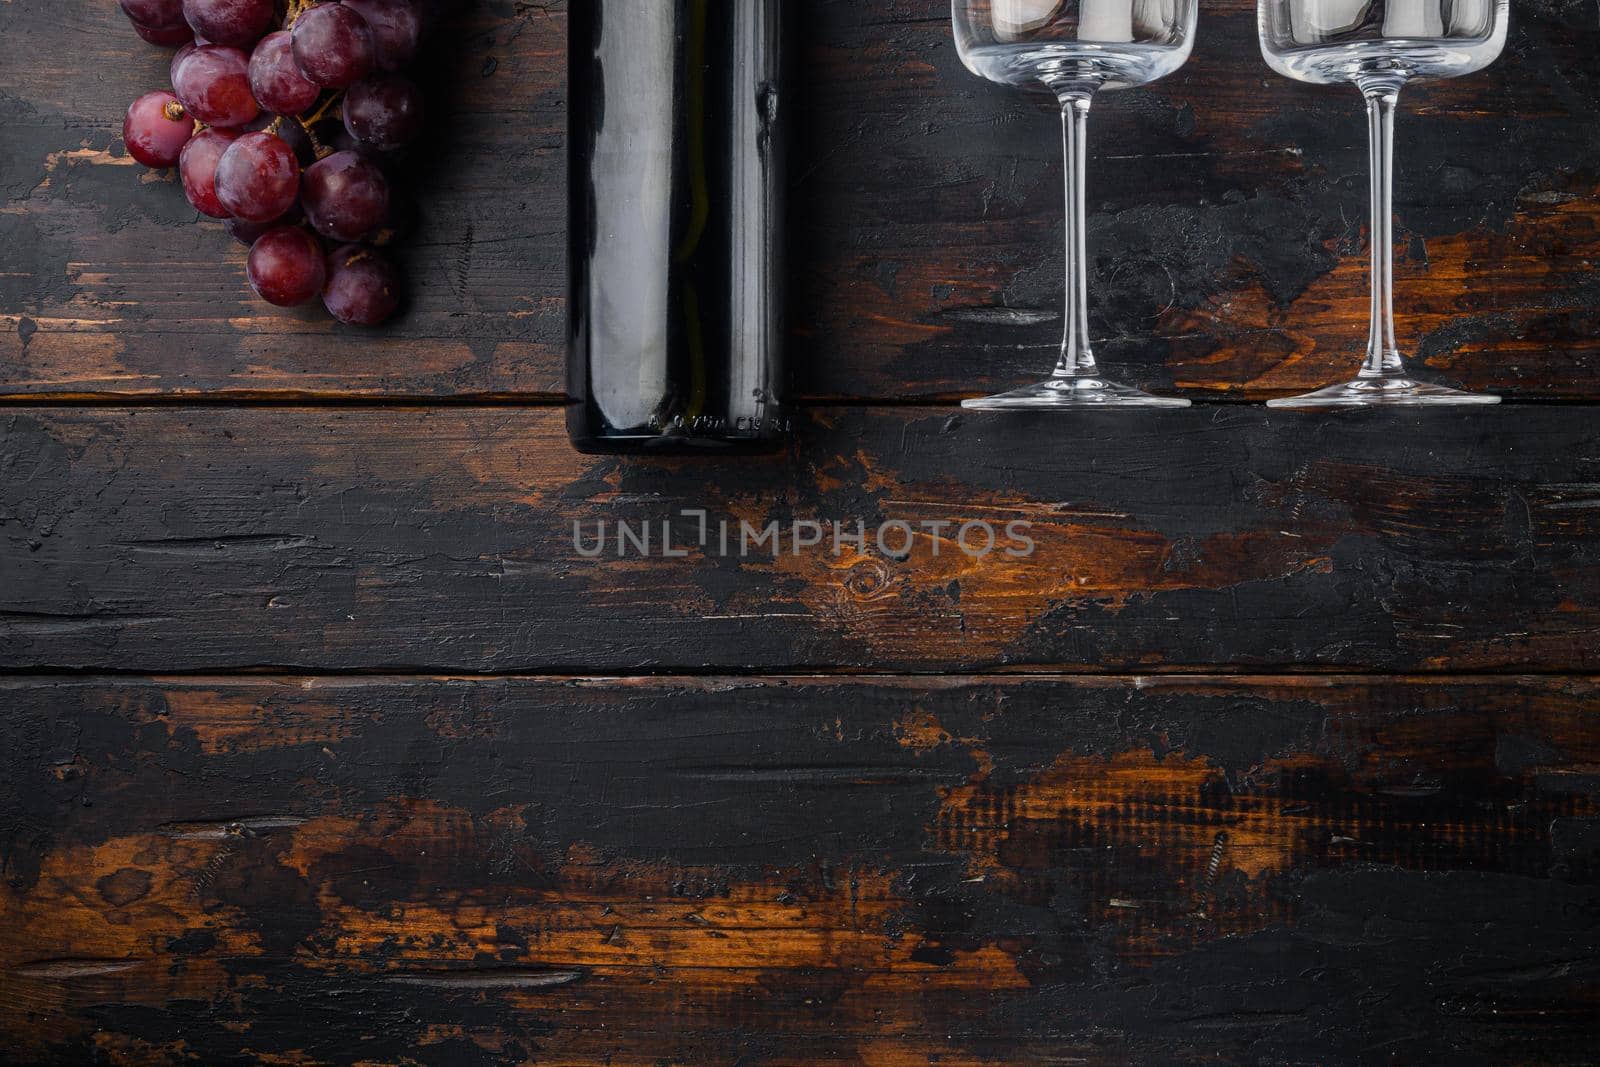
(1074, 48)
(1378, 46)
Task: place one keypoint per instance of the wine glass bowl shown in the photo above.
(1075, 49)
(1102, 45)
(1333, 42)
(1378, 46)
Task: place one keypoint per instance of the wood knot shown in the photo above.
(867, 579)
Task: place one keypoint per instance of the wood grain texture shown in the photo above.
(110, 283)
(784, 871)
(453, 539)
(1227, 204)
(390, 852)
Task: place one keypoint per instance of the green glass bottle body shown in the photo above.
(676, 183)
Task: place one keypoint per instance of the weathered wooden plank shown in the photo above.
(773, 871)
(1227, 211)
(1227, 203)
(458, 539)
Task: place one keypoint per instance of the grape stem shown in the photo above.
(322, 150)
(335, 100)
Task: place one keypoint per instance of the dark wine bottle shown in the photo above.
(676, 222)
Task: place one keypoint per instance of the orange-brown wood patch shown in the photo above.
(704, 870)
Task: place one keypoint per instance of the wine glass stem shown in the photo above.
(1383, 355)
(1077, 357)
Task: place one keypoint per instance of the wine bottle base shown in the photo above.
(615, 442)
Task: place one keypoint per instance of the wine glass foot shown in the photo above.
(1072, 394)
(1383, 392)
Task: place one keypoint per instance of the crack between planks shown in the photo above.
(310, 679)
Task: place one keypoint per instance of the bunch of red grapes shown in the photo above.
(282, 120)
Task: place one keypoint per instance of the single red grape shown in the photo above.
(240, 23)
(258, 177)
(165, 36)
(383, 111)
(178, 57)
(346, 196)
(156, 129)
(248, 233)
(286, 267)
(197, 169)
(154, 13)
(363, 287)
(158, 21)
(276, 79)
(333, 45)
(396, 30)
(214, 84)
(296, 137)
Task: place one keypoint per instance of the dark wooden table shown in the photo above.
(320, 743)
